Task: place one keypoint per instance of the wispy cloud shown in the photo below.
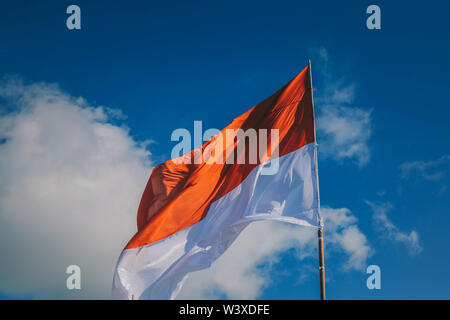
(389, 231)
(344, 130)
(344, 133)
(249, 265)
(433, 170)
(70, 186)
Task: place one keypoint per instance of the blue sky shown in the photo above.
(381, 96)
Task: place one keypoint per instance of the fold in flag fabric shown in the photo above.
(195, 206)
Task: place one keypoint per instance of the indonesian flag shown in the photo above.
(260, 167)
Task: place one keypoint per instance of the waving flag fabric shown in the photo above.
(192, 210)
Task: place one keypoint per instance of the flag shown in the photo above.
(262, 166)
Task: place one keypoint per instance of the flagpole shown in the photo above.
(320, 230)
(321, 264)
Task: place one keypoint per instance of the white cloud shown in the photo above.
(70, 186)
(433, 170)
(344, 133)
(389, 231)
(344, 130)
(345, 236)
(248, 266)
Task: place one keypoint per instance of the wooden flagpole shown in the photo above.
(320, 231)
(321, 264)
